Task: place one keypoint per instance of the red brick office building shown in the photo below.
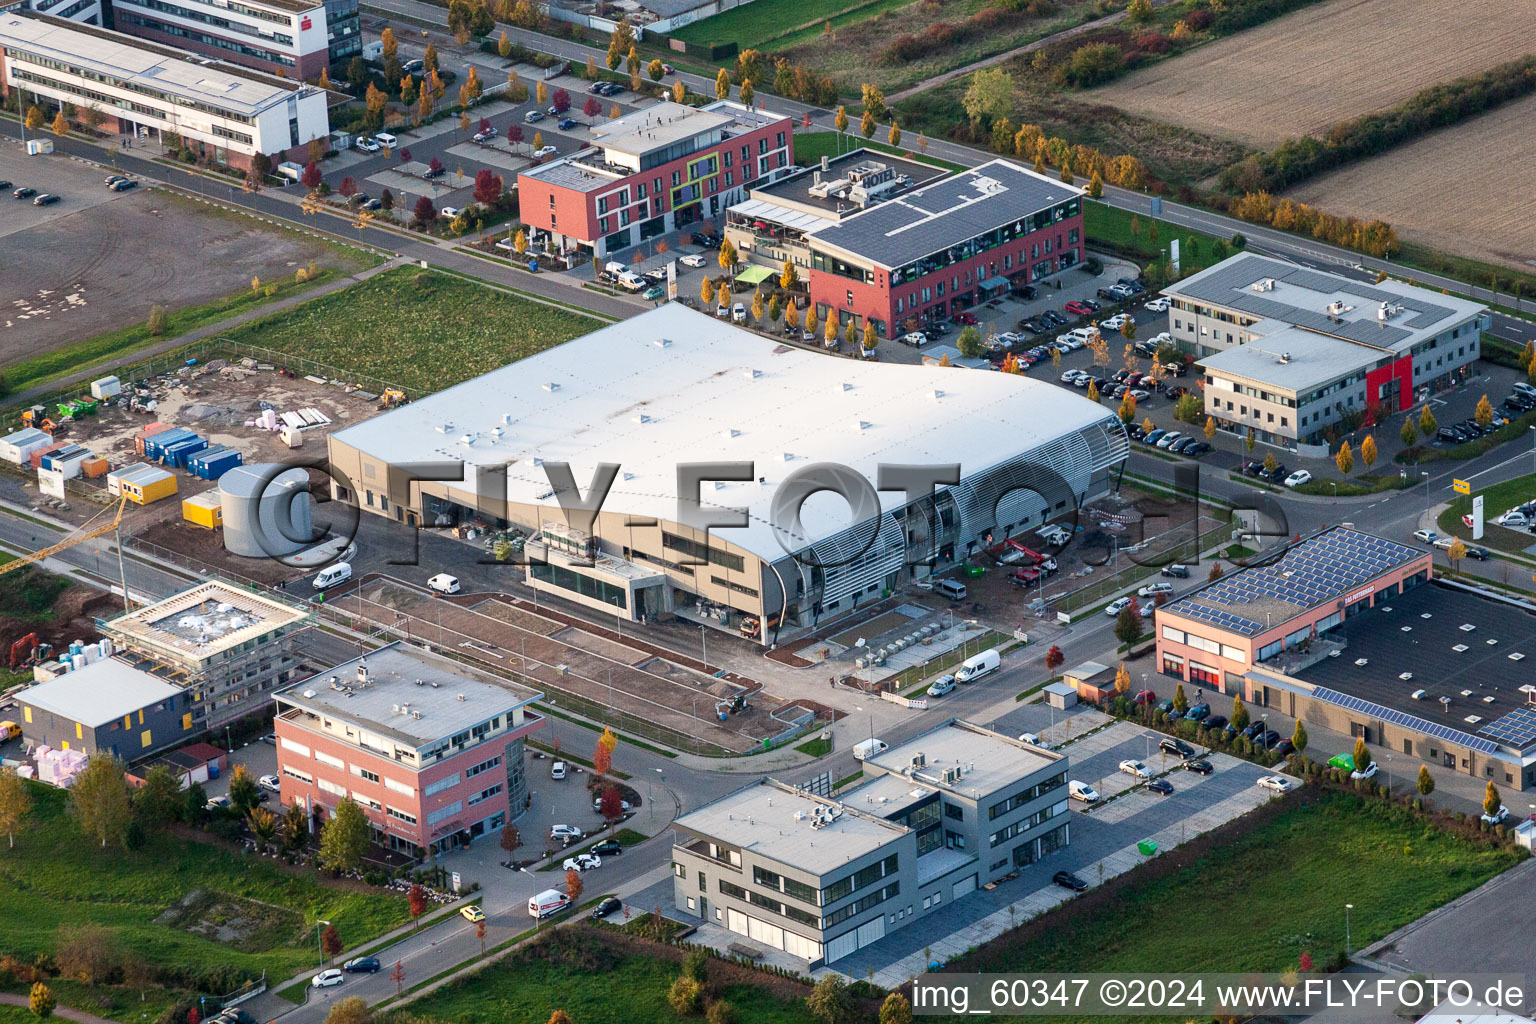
(651, 172)
(431, 752)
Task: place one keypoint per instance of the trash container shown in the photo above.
(533, 265)
(1146, 847)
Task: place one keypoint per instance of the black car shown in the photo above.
(1199, 766)
(1480, 554)
(1175, 393)
(1176, 571)
(1215, 722)
(46, 199)
(4, 185)
(1160, 786)
(1067, 880)
(1054, 317)
(24, 193)
(1284, 748)
(1450, 435)
(1279, 473)
(1525, 403)
(1095, 306)
(1178, 748)
(123, 185)
(608, 848)
(362, 965)
(1025, 291)
(1267, 739)
(609, 906)
(1253, 730)
(1198, 448)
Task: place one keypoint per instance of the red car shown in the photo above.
(1026, 577)
(1145, 697)
(1078, 308)
(969, 319)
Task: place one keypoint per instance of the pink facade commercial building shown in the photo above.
(431, 751)
(651, 172)
(1279, 614)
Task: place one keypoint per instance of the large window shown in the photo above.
(702, 552)
(576, 583)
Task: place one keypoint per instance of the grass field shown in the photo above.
(753, 25)
(421, 329)
(55, 876)
(1497, 500)
(125, 340)
(1489, 217)
(115, 1002)
(810, 147)
(1338, 64)
(1232, 916)
(1110, 228)
(593, 986)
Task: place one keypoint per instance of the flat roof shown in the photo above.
(989, 761)
(448, 698)
(794, 188)
(671, 385)
(1465, 673)
(945, 213)
(886, 795)
(142, 65)
(655, 127)
(762, 818)
(1292, 359)
(209, 618)
(101, 692)
(1324, 303)
(1315, 571)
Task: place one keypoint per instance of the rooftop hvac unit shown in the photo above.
(416, 714)
(1420, 694)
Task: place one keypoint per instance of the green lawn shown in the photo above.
(1258, 902)
(1110, 228)
(810, 147)
(1357, 486)
(115, 1002)
(1497, 499)
(123, 341)
(423, 330)
(55, 876)
(752, 25)
(817, 747)
(593, 982)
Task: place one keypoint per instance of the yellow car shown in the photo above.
(473, 913)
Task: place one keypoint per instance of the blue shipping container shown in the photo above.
(155, 444)
(178, 453)
(212, 466)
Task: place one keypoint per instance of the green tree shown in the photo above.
(1180, 702)
(1096, 185)
(1188, 408)
(243, 791)
(839, 120)
(1128, 624)
(15, 803)
(429, 58)
(873, 99)
(867, 124)
(830, 1001)
(504, 47)
(970, 343)
(895, 1010)
(1270, 463)
(1362, 754)
(746, 93)
(686, 996)
(194, 803)
(344, 838)
(1299, 737)
(158, 802)
(1427, 422)
(1139, 11)
(351, 1010)
(1408, 433)
(1128, 329)
(655, 70)
(988, 97)
(98, 800)
(1239, 719)
(1426, 784)
(1491, 800)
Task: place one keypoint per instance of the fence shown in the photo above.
(1101, 589)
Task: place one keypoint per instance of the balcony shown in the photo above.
(700, 848)
(1306, 654)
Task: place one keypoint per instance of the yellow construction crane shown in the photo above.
(84, 533)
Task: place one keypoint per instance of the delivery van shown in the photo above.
(1082, 791)
(444, 583)
(550, 901)
(977, 665)
(869, 748)
(951, 589)
(331, 575)
(9, 731)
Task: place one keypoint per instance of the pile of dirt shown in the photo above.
(56, 609)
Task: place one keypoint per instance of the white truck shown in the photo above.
(869, 748)
(550, 901)
(977, 665)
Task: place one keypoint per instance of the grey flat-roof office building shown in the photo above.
(944, 813)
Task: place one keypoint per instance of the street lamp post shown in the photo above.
(1425, 474)
(319, 936)
(1347, 908)
(704, 646)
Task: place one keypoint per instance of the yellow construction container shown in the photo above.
(203, 510)
(149, 486)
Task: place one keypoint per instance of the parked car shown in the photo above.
(545, 151)
(1176, 748)
(5, 184)
(917, 339)
(367, 145)
(271, 783)
(362, 965)
(1067, 880)
(567, 123)
(693, 259)
(123, 185)
(534, 116)
(653, 293)
(1267, 739)
(1153, 589)
(597, 804)
(325, 979)
(1114, 323)
(609, 906)
(967, 319)
(1426, 536)
(1078, 308)
(449, 212)
(485, 136)
(1285, 748)
(1157, 305)
(565, 832)
(1160, 786)
(582, 862)
(472, 913)
(1116, 606)
(1198, 765)
(1369, 772)
(1277, 783)
(1198, 713)
(1215, 722)
(608, 848)
(739, 313)
(1144, 697)
(46, 199)
(24, 193)
(1168, 439)
(1135, 769)
(1177, 571)
(944, 684)
(558, 770)
(1298, 478)
(414, 67)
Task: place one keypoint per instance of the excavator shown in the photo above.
(391, 398)
(84, 533)
(38, 417)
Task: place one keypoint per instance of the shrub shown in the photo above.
(686, 996)
(1090, 65)
(696, 966)
(1152, 42)
(721, 1012)
(1198, 19)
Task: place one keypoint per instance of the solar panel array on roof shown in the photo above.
(1320, 569)
(1405, 720)
(1518, 728)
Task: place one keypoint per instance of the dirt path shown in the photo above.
(78, 1016)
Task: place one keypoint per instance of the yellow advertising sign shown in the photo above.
(1461, 487)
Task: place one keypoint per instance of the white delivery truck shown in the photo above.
(977, 665)
(869, 748)
(550, 901)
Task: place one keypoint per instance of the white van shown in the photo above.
(951, 589)
(1082, 791)
(444, 583)
(977, 665)
(385, 139)
(869, 748)
(550, 901)
(616, 268)
(332, 575)
(632, 281)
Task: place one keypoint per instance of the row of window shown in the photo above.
(299, 749)
(703, 552)
(1025, 795)
(15, 55)
(788, 886)
(445, 812)
(1021, 826)
(1201, 643)
(486, 794)
(862, 904)
(984, 241)
(483, 766)
(846, 886)
(193, 14)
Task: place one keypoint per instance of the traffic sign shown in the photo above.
(1461, 487)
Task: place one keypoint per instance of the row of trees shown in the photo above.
(1375, 238)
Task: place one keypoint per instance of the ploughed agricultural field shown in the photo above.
(1325, 63)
